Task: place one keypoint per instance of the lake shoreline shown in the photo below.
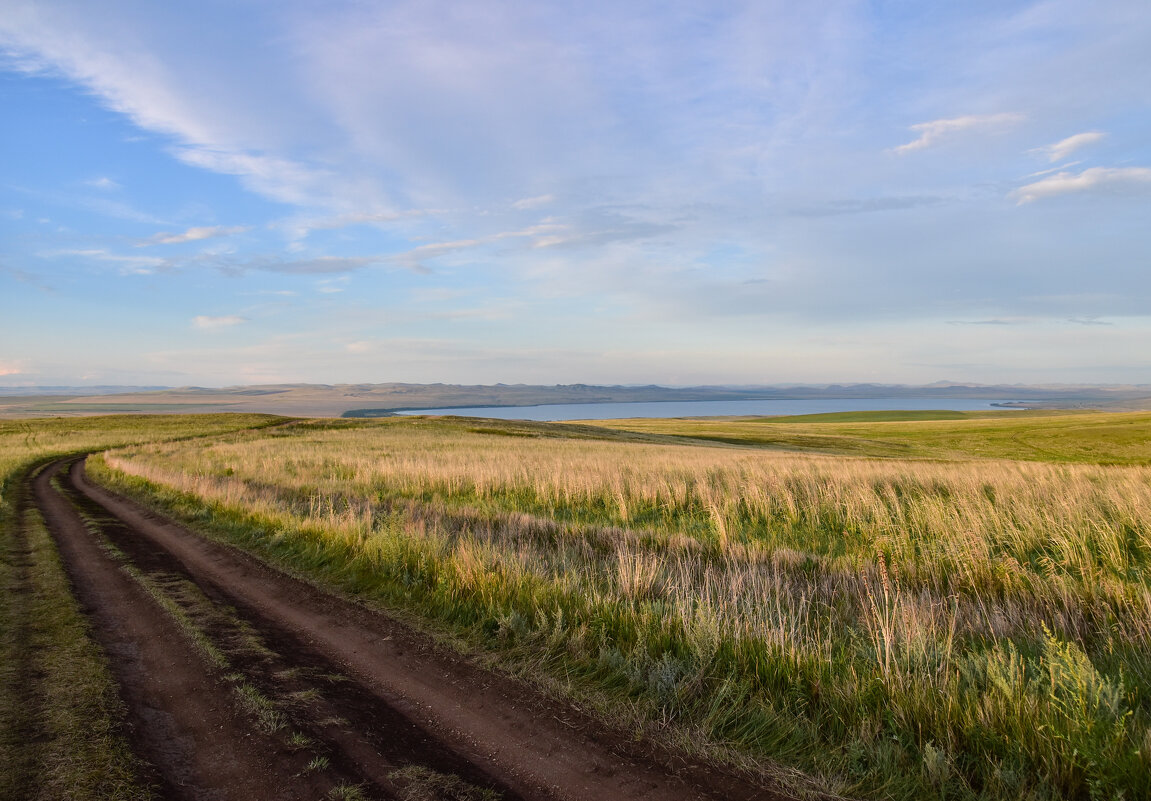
(763, 407)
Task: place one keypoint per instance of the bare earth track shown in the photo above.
(245, 683)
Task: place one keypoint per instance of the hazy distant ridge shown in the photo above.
(335, 400)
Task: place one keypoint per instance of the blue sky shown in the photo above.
(551, 192)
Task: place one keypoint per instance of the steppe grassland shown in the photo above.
(25, 441)
(1032, 435)
(896, 628)
(59, 714)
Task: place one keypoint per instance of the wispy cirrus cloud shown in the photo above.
(300, 227)
(194, 234)
(312, 265)
(1065, 147)
(1117, 180)
(207, 322)
(833, 208)
(281, 179)
(320, 265)
(95, 204)
(140, 265)
(938, 131)
(416, 258)
(103, 183)
(526, 203)
(120, 59)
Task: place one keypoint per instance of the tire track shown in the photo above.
(181, 721)
(246, 683)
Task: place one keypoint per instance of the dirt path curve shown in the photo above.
(246, 683)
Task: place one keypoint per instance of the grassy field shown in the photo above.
(1045, 436)
(59, 713)
(952, 608)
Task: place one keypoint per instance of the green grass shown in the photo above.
(1086, 437)
(59, 716)
(942, 625)
(60, 721)
(889, 416)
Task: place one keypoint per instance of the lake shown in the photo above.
(774, 406)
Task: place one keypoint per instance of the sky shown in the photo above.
(626, 192)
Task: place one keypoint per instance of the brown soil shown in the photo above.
(355, 694)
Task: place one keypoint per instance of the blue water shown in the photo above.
(612, 411)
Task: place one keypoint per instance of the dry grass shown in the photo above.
(977, 629)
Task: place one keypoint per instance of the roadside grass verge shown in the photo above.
(895, 629)
(61, 733)
(59, 713)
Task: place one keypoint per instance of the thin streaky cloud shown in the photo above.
(937, 131)
(283, 180)
(524, 204)
(1065, 147)
(103, 183)
(1052, 170)
(194, 234)
(301, 227)
(321, 265)
(1095, 179)
(834, 208)
(415, 257)
(99, 254)
(209, 322)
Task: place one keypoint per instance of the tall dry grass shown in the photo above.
(977, 628)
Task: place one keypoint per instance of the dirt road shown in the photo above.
(245, 683)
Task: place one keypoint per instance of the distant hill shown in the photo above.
(94, 390)
(323, 400)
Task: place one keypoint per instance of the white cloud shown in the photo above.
(1065, 147)
(318, 266)
(1060, 168)
(1095, 179)
(210, 323)
(415, 258)
(932, 133)
(138, 265)
(195, 234)
(10, 368)
(279, 179)
(214, 119)
(301, 227)
(533, 202)
(103, 183)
